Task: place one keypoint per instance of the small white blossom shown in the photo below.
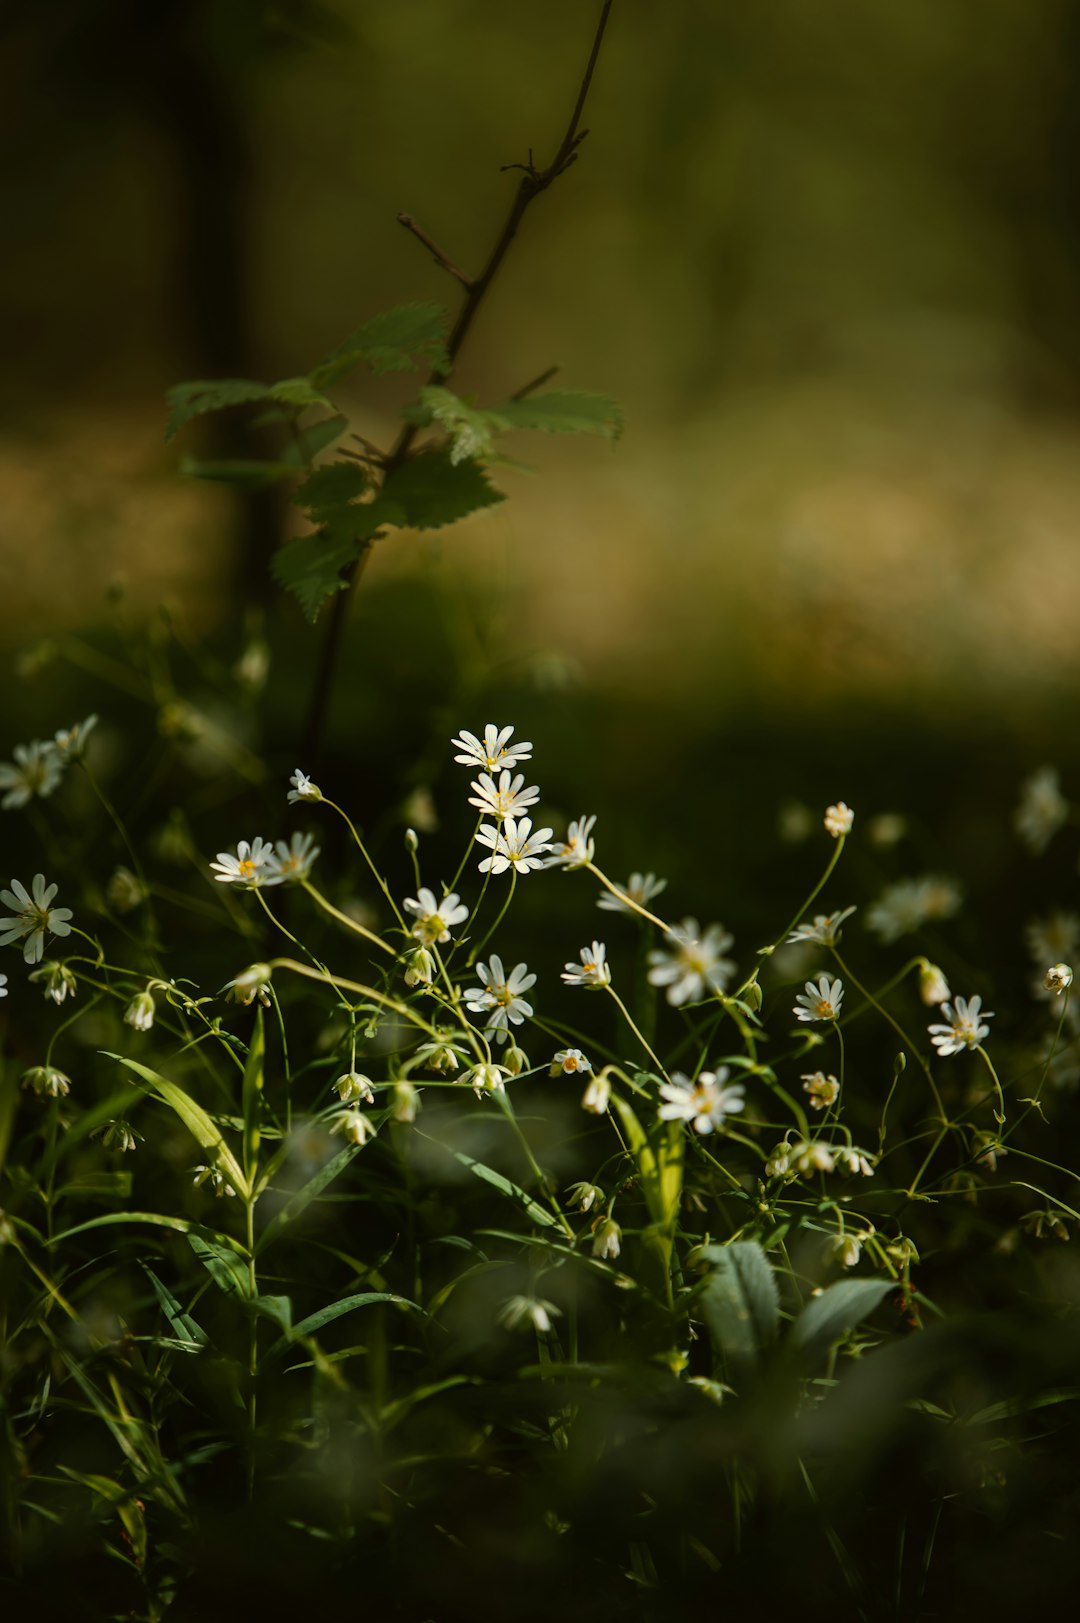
(597, 1096)
(60, 983)
(253, 865)
(514, 845)
(852, 1159)
(487, 1078)
(964, 1029)
(353, 1125)
(118, 1135)
(509, 798)
(1042, 809)
(576, 851)
(252, 983)
(291, 863)
(70, 742)
(639, 888)
(910, 903)
(405, 1101)
(692, 963)
(442, 1054)
(607, 1239)
(303, 788)
(37, 770)
(705, 1102)
(434, 919)
(820, 1000)
(420, 967)
(594, 971)
(140, 1011)
(806, 1156)
(353, 1086)
(33, 916)
(825, 930)
(1041, 1224)
(3, 986)
(823, 1090)
(47, 1081)
(492, 753)
(215, 1178)
(1058, 979)
(569, 1062)
(499, 996)
(528, 1313)
(846, 1249)
(584, 1196)
(933, 987)
(838, 819)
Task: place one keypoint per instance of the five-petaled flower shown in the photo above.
(705, 1101)
(494, 751)
(568, 1062)
(37, 770)
(820, 1001)
(33, 916)
(507, 798)
(825, 930)
(434, 919)
(254, 864)
(823, 1090)
(576, 851)
(303, 788)
(290, 864)
(964, 1028)
(692, 963)
(639, 888)
(593, 971)
(512, 846)
(499, 997)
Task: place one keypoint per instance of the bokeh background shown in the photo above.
(826, 257)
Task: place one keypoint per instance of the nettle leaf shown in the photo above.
(399, 340)
(195, 399)
(432, 490)
(569, 411)
(740, 1301)
(472, 430)
(330, 487)
(310, 567)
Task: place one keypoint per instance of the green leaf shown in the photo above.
(431, 490)
(564, 412)
(396, 341)
(299, 392)
(251, 1095)
(187, 1329)
(472, 431)
(310, 442)
(303, 1197)
(194, 1118)
(504, 1185)
(278, 1308)
(310, 567)
(247, 473)
(97, 1186)
(659, 1160)
(828, 1317)
(337, 1310)
(182, 1225)
(195, 399)
(225, 1268)
(330, 487)
(740, 1301)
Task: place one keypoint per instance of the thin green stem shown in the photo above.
(500, 915)
(343, 918)
(766, 952)
(627, 901)
(637, 1033)
(362, 848)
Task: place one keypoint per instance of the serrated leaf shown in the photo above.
(839, 1308)
(431, 490)
(298, 392)
(202, 395)
(310, 567)
(194, 1118)
(569, 411)
(331, 487)
(225, 1268)
(740, 1301)
(396, 341)
(472, 430)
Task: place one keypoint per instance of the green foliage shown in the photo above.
(399, 340)
(564, 412)
(740, 1301)
(196, 399)
(827, 1318)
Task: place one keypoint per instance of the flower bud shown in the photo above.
(253, 983)
(516, 1060)
(47, 1082)
(406, 1101)
(140, 1011)
(597, 1095)
(354, 1126)
(607, 1239)
(419, 967)
(354, 1086)
(1058, 978)
(752, 996)
(933, 987)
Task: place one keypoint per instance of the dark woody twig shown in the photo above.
(436, 252)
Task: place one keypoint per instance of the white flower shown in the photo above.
(486, 1078)
(584, 1195)
(692, 963)
(140, 1011)
(353, 1086)
(1042, 809)
(825, 929)
(3, 986)
(215, 1178)
(36, 771)
(293, 862)
(607, 1239)
(419, 967)
(253, 865)
(806, 1156)
(252, 983)
(594, 971)
(597, 1096)
(1048, 1222)
(823, 1090)
(70, 742)
(1053, 938)
(303, 788)
(964, 1029)
(443, 1054)
(512, 846)
(499, 997)
(577, 849)
(353, 1125)
(33, 916)
(705, 1102)
(506, 799)
(640, 888)
(58, 979)
(118, 1135)
(838, 819)
(528, 1313)
(435, 920)
(1058, 979)
(406, 1101)
(494, 752)
(568, 1062)
(47, 1081)
(910, 903)
(933, 987)
(852, 1159)
(820, 1001)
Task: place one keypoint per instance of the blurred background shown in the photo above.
(826, 257)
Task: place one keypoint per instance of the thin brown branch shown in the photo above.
(532, 183)
(537, 383)
(434, 250)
